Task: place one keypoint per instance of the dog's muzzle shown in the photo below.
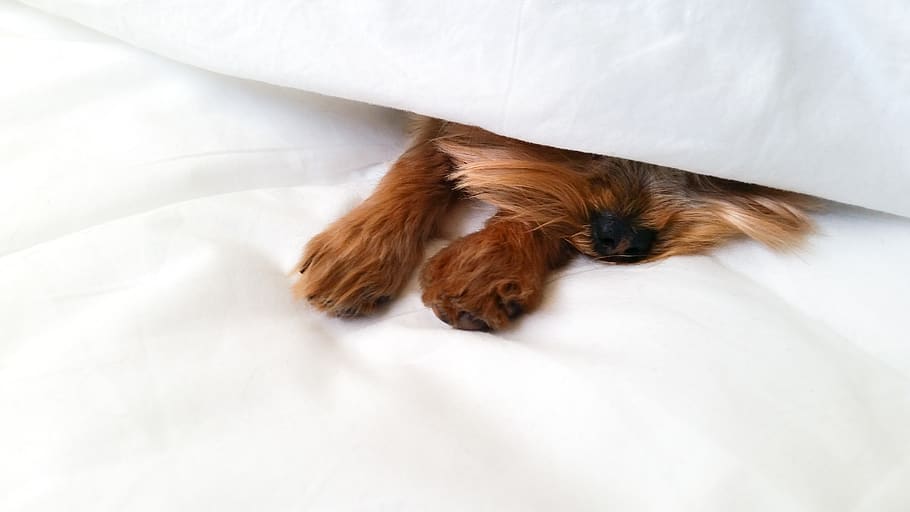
(619, 240)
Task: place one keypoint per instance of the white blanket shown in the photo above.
(151, 357)
(809, 96)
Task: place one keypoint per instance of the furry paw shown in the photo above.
(473, 286)
(346, 272)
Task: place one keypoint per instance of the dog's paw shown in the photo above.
(345, 272)
(475, 287)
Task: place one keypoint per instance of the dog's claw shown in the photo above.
(442, 315)
(468, 322)
(464, 321)
(513, 309)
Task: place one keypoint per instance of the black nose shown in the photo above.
(617, 237)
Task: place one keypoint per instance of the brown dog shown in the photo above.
(550, 204)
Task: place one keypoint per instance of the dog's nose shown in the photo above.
(617, 236)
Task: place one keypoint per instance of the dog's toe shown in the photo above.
(478, 308)
(464, 320)
(468, 322)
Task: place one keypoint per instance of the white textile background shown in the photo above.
(809, 96)
(151, 357)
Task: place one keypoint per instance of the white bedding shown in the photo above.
(151, 357)
(808, 96)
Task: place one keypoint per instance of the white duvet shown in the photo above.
(151, 357)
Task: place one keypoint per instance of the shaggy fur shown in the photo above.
(546, 200)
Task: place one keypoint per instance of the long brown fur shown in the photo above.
(545, 198)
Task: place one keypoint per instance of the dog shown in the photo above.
(550, 204)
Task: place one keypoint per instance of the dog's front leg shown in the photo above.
(486, 279)
(364, 259)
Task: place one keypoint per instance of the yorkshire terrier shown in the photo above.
(551, 203)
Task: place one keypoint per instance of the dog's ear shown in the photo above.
(536, 192)
(774, 217)
(464, 153)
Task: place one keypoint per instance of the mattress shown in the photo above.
(152, 358)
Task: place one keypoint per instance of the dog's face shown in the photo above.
(639, 212)
(621, 211)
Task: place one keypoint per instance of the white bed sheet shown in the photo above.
(151, 357)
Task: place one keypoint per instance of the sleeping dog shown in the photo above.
(551, 203)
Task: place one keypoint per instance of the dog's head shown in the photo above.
(621, 211)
